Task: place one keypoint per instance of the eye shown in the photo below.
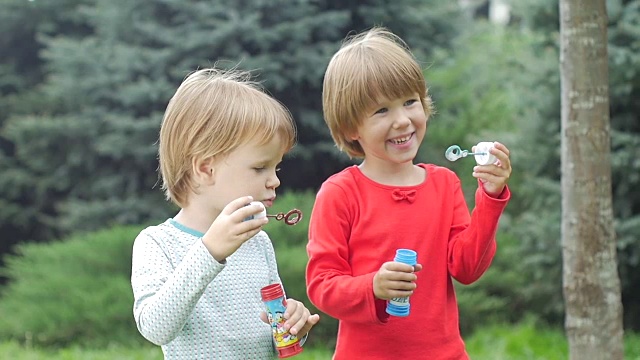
(410, 102)
(260, 169)
(381, 111)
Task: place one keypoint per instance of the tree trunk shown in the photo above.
(591, 285)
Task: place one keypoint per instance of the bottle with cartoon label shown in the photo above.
(287, 344)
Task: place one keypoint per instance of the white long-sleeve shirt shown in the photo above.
(195, 307)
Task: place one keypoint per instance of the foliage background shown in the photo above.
(84, 83)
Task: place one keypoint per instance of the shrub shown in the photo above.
(78, 290)
(72, 291)
(497, 297)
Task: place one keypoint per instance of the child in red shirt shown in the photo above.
(377, 107)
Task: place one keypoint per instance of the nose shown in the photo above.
(401, 120)
(273, 181)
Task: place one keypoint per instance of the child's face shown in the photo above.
(393, 131)
(248, 170)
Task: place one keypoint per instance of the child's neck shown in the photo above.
(406, 174)
(195, 218)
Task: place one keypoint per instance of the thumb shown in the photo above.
(314, 319)
(263, 317)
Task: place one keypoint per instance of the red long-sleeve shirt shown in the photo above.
(357, 225)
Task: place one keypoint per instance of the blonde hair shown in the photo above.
(212, 113)
(369, 66)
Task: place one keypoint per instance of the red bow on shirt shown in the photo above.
(399, 195)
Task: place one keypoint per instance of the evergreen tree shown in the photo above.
(82, 152)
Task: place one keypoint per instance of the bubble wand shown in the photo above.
(290, 218)
(482, 154)
(454, 152)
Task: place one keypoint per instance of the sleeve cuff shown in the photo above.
(504, 196)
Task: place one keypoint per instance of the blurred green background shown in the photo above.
(83, 86)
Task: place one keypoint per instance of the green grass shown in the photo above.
(15, 351)
(527, 342)
(522, 342)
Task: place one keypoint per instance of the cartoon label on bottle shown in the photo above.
(275, 313)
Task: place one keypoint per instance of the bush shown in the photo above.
(78, 290)
(72, 291)
(497, 297)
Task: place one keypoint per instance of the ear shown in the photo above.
(203, 170)
(354, 136)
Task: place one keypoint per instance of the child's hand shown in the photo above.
(395, 279)
(228, 232)
(494, 177)
(298, 318)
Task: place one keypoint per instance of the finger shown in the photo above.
(392, 289)
(399, 293)
(252, 226)
(237, 204)
(399, 275)
(393, 278)
(490, 178)
(402, 286)
(498, 153)
(311, 321)
(294, 310)
(295, 328)
(248, 211)
(503, 170)
(395, 266)
(263, 317)
(492, 169)
(501, 146)
(248, 234)
(501, 153)
(417, 267)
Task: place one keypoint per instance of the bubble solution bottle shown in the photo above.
(261, 214)
(400, 306)
(287, 344)
(482, 155)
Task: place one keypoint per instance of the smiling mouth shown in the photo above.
(402, 140)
